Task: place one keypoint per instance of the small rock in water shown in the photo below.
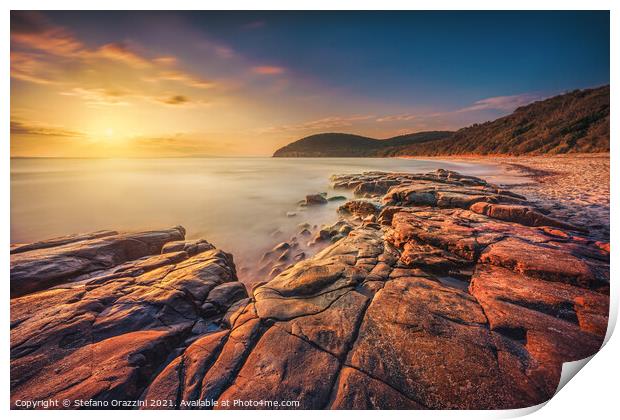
(336, 238)
(337, 198)
(315, 199)
(284, 256)
(291, 214)
(281, 246)
(323, 235)
(275, 271)
(344, 230)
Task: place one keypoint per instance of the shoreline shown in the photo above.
(530, 176)
(571, 186)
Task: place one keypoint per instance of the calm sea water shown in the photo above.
(235, 203)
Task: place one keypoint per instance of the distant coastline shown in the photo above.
(575, 122)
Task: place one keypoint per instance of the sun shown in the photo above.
(109, 132)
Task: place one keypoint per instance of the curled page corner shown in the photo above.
(613, 316)
(569, 370)
(519, 412)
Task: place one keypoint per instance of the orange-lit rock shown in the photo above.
(445, 303)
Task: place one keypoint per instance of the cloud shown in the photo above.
(35, 129)
(117, 97)
(181, 77)
(100, 96)
(31, 29)
(42, 52)
(326, 123)
(30, 67)
(502, 103)
(224, 52)
(122, 52)
(397, 117)
(166, 60)
(268, 70)
(27, 22)
(179, 144)
(175, 100)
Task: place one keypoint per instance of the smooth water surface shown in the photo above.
(235, 203)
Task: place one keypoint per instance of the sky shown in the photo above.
(176, 84)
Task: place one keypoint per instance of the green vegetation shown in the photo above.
(575, 122)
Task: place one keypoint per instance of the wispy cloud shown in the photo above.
(269, 70)
(42, 52)
(112, 97)
(224, 52)
(181, 77)
(397, 117)
(32, 30)
(167, 60)
(36, 129)
(175, 100)
(179, 144)
(100, 96)
(407, 122)
(122, 52)
(327, 123)
(30, 67)
(502, 103)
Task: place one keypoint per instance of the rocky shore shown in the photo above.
(436, 290)
(571, 186)
(576, 186)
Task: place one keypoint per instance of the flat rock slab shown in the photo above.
(106, 336)
(42, 265)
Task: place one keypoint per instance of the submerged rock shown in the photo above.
(337, 198)
(315, 199)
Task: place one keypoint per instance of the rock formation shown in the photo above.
(444, 292)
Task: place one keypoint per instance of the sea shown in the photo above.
(241, 205)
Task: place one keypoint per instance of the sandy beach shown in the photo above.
(572, 187)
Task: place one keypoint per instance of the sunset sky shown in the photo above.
(148, 84)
